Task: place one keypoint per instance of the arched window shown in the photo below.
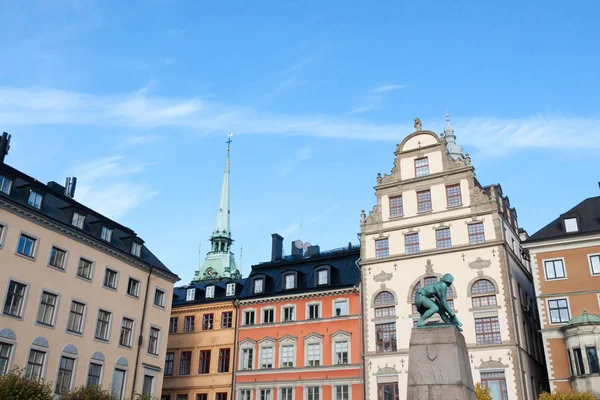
(385, 305)
(426, 281)
(483, 293)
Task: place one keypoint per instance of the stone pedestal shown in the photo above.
(438, 365)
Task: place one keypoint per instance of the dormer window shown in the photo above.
(571, 225)
(259, 285)
(322, 277)
(136, 249)
(290, 281)
(230, 289)
(78, 220)
(190, 295)
(5, 184)
(106, 234)
(210, 292)
(35, 199)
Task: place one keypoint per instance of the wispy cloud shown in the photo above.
(136, 141)
(296, 227)
(302, 154)
(387, 88)
(374, 98)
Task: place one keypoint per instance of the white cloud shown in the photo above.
(291, 163)
(387, 88)
(137, 141)
(295, 228)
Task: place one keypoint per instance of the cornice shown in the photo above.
(438, 176)
(299, 322)
(299, 296)
(199, 308)
(292, 370)
(570, 240)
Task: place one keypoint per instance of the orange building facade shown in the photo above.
(565, 258)
(300, 332)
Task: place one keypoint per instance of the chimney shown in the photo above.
(297, 248)
(4, 146)
(276, 247)
(70, 187)
(314, 250)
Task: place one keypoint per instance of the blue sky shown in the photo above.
(136, 98)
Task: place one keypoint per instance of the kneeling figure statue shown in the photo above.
(431, 299)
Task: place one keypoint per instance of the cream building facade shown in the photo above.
(433, 217)
(84, 302)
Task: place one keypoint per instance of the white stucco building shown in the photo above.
(433, 217)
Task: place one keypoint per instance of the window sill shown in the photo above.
(555, 279)
(88, 280)
(44, 325)
(132, 296)
(105, 341)
(114, 289)
(63, 270)
(159, 307)
(124, 347)
(396, 217)
(30, 258)
(79, 334)
(152, 355)
(488, 308)
(425, 212)
(12, 316)
(454, 206)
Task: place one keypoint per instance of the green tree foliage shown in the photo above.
(567, 396)
(87, 393)
(482, 393)
(14, 386)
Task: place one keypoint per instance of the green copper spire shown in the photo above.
(220, 262)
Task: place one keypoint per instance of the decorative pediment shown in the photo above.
(479, 263)
(41, 342)
(341, 334)
(450, 164)
(314, 336)
(374, 215)
(248, 341)
(479, 196)
(383, 277)
(266, 339)
(491, 364)
(387, 371)
(70, 349)
(123, 362)
(8, 333)
(288, 338)
(98, 356)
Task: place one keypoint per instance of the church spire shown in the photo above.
(454, 150)
(223, 227)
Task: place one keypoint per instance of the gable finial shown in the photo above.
(229, 135)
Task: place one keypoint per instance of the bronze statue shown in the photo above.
(431, 299)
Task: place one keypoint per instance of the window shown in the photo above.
(126, 336)
(265, 394)
(313, 352)
(207, 322)
(202, 396)
(579, 367)
(106, 234)
(559, 311)
(286, 393)
(45, 315)
(169, 359)
(287, 356)
(246, 394)
(26, 246)
(322, 277)
(266, 357)
(84, 269)
(118, 383)
(476, 235)
(5, 184)
(442, 239)
(487, 330)
(259, 285)
(313, 392)
(185, 362)
(2, 229)
(453, 195)
(173, 324)
(424, 201)
(224, 357)
(35, 199)
(288, 313)
(314, 311)
(102, 325)
(554, 269)
(383, 312)
(384, 298)
(182, 397)
(230, 291)
(110, 278)
(5, 350)
(136, 249)
(396, 206)
(204, 366)
(387, 391)
(382, 248)
(342, 393)
(592, 357)
(247, 358)
(159, 298)
(188, 323)
(147, 385)
(594, 262)
(249, 317)
(495, 382)
(268, 316)
(58, 258)
(78, 220)
(94, 373)
(421, 167)
(227, 319)
(340, 308)
(210, 292)
(133, 287)
(385, 337)
(341, 352)
(411, 242)
(35, 365)
(75, 322)
(571, 225)
(153, 341)
(290, 281)
(221, 396)
(65, 375)
(15, 299)
(482, 293)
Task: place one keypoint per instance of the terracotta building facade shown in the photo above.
(300, 330)
(433, 217)
(84, 301)
(565, 256)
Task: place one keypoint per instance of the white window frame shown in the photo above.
(190, 294)
(108, 329)
(562, 259)
(83, 317)
(65, 260)
(267, 343)
(78, 220)
(340, 300)
(341, 336)
(137, 292)
(569, 227)
(285, 280)
(247, 345)
(288, 341)
(164, 298)
(157, 341)
(230, 290)
(3, 230)
(239, 394)
(244, 316)
(132, 338)
(136, 249)
(262, 315)
(36, 246)
(282, 316)
(209, 292)
(327, 277)
(589, 257)
(319, 388)
(87, 372)
(54, 314)
(335, 387)
(106, 234)
(106, 269)
(4, 178)
(73, 373)
(313, 303)
(31, 191)
(313, 338)
(25, 297)
(262, 287)
(92, 268)
(548, 309)
(39, 349)
(11, 355)
(280, 392)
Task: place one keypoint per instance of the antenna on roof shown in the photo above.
(4, 146)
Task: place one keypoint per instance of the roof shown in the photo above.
(342, 264)
(59, 208)
(583, 319)
(588, 219)
(220, 293)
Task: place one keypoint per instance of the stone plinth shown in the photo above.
(438, 365)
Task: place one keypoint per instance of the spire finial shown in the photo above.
(229, 135)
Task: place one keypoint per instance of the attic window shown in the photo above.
(259, 285)
(290, 281)
(190, 295)
(136, 249)
(230, 289)
(106, 234)
(210, 292)
(571, 225)
(5, 184)
(35, 199)
(322, 277)
(78, 220)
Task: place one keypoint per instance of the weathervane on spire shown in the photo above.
(229, 135)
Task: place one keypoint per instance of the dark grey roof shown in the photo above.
(341, 262)
(588, 220)
(59, 208)
(180, 293)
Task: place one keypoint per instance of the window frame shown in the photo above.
(314, 396)
(283, 310)
(229, 292)
(204, 361)
(3, 230)
(108, 325)
(348, 392)
(78, 220)
(163, 297)
(42, 366)
(116, 281)
(334, 309)
(208, 321)
(415, 246)
(396, 205)
(189, 323)
(158, 338)
(489, 322)
(35, 194)
(106, 234)
(424, 167)
(71, 372)
(188, 361)
(209, 292)
(135, 295)
(553, 261)
(245, 318)
(132, 332)
(453, 196)
(83, 316)
(589, 257)
(91, 274)
(255, 288)
(24, 297)
(327, 270)
(382, 252)
(34, 248)
(294, 276)
(65, 259)
(3, 180)
(169, 363)
(313, 339)
(224, 364)
(100, 374)
(422, 203)
(226, 316)
(386, 346)
(443, 242)
(8, 364)
(247, 363)
(265, 310)
(474, 236)
(54, 310)
(319, 309)
(334, 343)
(261, 352)
(136, 249)
(548, 310)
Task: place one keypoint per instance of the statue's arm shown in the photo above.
(441, 292)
